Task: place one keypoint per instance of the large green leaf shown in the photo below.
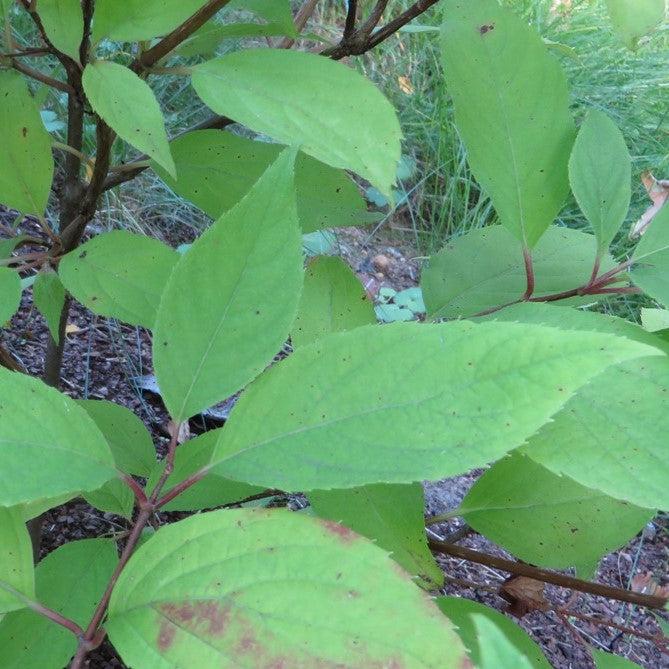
(69, 580)
(612, 435)
(519, 137)
(128, 438)
(549, 520)
(496, 650)
(49, 298)
(461, 611)
(484, 268)
(208, 493)
(333, 300)
(600, 174)
(390, 514)
(10, 294)
(127, 104)
(26, 163)
(406, 402)
(272, 588)
(333, 113)
(655, 320)
(231, 300)
(119, 274)
(48, 445)
(651, 258)
(16, 559)
(632, 19)
(136, 20)
(63, 23)
(216, 169)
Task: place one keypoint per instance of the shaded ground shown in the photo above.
(104, 358)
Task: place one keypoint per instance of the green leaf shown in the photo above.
(26, 163)
(461, 613)
(8, 246)
(205, 40)
(549, 520)
(319, 242)
(216, 169)
(519, 139)
(466, 386)
(48, 445)
(605, 660)
(612, 435)
(242, 280)
(484, 268)
(113, 497)
(234, 588)
(333, 300)
(600, 173)
(10, 293)
(128, 438)
(127, 104)
(496, 649)
(119, 274)
(69, 580)
(49, 298)
(651, 257)
(392, 515)
(137, 20)
(632, 19)
(208, 493)
(63, 23)
(333, 113)
(16, 560)
(37, 507)
(655, 320)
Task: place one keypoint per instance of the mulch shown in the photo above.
(103, 359)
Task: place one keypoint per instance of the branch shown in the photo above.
(351, 15)
(40, 76)
(303, 15)
(170, 42)
(522, 569)
(529, 273)
(390, 28)
(374, 17)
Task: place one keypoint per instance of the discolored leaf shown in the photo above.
(49, 298)
(127, 104)
(518, 141)
(26, 163)
(600, 173)
(66, 454)
(217, 168)
(10, 294)
(333, 300)
(330, 111)
(136, 20)
(243, 279)
(476, 391)
(484, 268)
(119, 274)
(69, 580)
(223, 587)
(16, 560)
(549, 520)
(63, 23)
(461, 612)
(392, 515)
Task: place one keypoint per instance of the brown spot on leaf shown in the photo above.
(24, 131)
(212, 615)
(166, 635)
(344, 533)
(486, 28)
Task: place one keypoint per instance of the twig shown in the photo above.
(351, 15)
(303, 15)
(529, 273)
(40, 76)
(374, 17)
(522, 569)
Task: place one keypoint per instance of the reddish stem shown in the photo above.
(529, 273)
